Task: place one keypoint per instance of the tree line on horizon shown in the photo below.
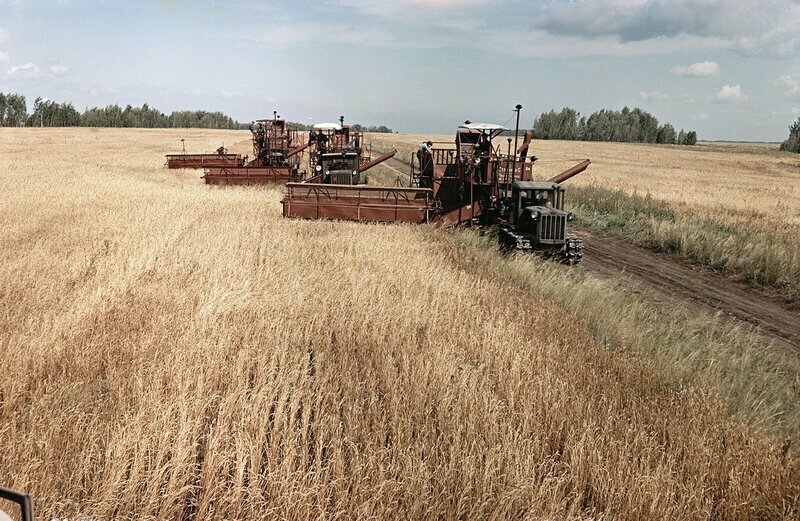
(358, 127)
(48, 113)
(626, 126)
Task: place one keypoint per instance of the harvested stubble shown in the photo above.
(172, 350)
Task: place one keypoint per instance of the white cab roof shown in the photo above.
(328, 126)
(483, 126)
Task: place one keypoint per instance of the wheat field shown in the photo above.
(177, 351)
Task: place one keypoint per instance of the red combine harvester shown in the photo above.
(219, 158)
(278, 157)
(470, 182)
(341, 157)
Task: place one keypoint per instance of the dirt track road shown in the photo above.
(610, 258)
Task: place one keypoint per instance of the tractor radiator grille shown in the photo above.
(553, 228)
(341, 178)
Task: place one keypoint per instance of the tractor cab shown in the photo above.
(537, 209)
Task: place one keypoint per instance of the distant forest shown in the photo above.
(48, 113)
(626, 125)
(378, 129)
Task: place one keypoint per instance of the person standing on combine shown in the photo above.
(322, 142)
(425, 158)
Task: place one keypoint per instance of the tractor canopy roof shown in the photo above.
(487, 127)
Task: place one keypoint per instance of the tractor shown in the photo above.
(537, 222)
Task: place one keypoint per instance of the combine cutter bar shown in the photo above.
(249, 175)
(202, 160)
(357, 202)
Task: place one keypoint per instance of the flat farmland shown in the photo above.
(174, 350)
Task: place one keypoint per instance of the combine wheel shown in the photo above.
(572, 252)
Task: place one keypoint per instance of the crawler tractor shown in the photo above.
(538, 222)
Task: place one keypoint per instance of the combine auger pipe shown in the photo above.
(570, 172)
(378, 160)
(297, 150)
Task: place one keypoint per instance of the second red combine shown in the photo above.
(277, 157)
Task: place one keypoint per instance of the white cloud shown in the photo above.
(231, 94)
(655, 96)
(286, 35)
(31, 71)
(102, 91)
(747, 27)
(4, 35)
(27, 71)
(700, 117)
(57, 69)
(696, 70)
(730, 94)
(413, 8)
(792, 84)
(795, 110)
(4, 57)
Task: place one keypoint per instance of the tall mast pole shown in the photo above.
(516, 137)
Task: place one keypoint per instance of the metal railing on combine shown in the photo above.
(444, 156)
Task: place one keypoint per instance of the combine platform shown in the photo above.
(251, 175)
(358, 202)
(203, 160)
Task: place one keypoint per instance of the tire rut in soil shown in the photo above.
(745, 305)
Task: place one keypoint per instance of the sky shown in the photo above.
(729, 69)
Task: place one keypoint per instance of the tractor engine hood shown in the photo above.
(534, 212)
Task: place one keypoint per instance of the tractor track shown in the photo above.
(737, 302)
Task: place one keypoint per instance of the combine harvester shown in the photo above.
(277, 157)
(341, 156)
(471, 182)
(338, 155)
